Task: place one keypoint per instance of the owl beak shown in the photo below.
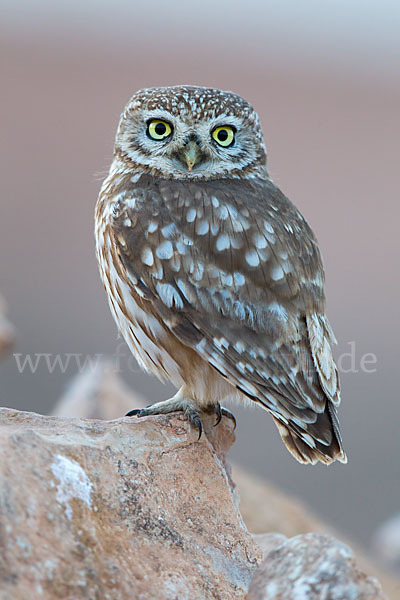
(191, 155)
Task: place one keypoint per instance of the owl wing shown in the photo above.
(234, 272)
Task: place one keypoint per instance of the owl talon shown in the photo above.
(135, 412)
(140, 412)
(191, 415)
(224, 412)
(195, 420)
(218, 412)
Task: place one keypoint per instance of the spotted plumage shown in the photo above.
(213, 276)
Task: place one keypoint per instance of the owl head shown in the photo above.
(188, 132)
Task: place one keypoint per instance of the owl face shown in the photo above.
(191, 133)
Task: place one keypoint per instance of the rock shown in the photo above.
(386, 542)
(7, 334)
(98, 392)
(263, 507)
(269, 541)
(266, 508)
(125, 509)
(311, 567)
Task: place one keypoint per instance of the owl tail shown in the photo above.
(306, 445)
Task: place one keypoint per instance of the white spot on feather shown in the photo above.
(222, 213)
(221, 343)
(287, 266)
(202, 227)
(74, 483)
(147, 256)
(249, 388)
(214, 228)
(158, 272)
(240, 347)
(223, 242)
(252, 258)
(237, 242)
(152, 227)
(197, 271)
(175, 263)
(277, 273)
(168, 231)
(226, 279)
(182, 249)
(278, 310)
(259, 240)
(232, 211)
(130, 203)
(165, 250)
(239, 278)
(268, 227)
(308, 439)
(169, 295)
(187, 291)
(240, 224)
(191, 215)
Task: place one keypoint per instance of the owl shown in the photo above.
(213, 276)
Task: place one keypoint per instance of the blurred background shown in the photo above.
(324, 77)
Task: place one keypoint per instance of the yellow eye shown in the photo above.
(224, 136)
(158, 130)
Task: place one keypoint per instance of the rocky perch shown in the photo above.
(142, 509)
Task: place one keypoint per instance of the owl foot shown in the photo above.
(220, 411)
(177, 403)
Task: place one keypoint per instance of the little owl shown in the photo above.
(213, 276)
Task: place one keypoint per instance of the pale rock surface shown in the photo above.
(266, 508)
(312, 567)
(386, 542)
(263, 507)
(7, 334)
(127, 509)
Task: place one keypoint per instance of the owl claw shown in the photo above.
(192, 416)
(224, 412)
(195, 420)
(134, 412)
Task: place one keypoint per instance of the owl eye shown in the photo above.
(158, 130)
(224, 136)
